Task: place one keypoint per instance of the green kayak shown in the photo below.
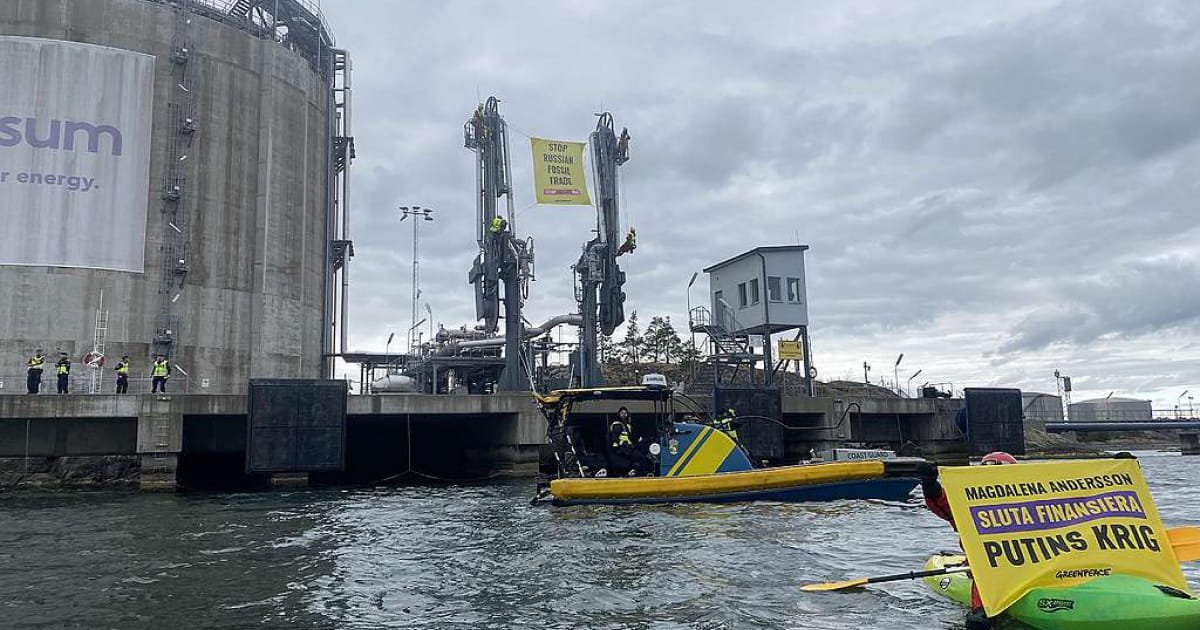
(1115, 602)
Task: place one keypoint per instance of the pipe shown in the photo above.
(329, 304)
(346, 132)
(443, 335)
(573, 319)
(768, 374)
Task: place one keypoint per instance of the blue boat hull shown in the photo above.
(889, 489)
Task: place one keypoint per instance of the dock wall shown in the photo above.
(164, 442)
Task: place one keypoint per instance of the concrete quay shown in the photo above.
(199, 441)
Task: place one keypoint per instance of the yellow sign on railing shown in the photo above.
(791, 350)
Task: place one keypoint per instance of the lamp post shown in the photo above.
(416, 212)
(908, 384)
(1178, 400)
(866, 373)
(1191, 414)
(691, 324)
(410, 332)
(896, 372)
(387, 348)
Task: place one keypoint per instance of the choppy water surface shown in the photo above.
(474, 557)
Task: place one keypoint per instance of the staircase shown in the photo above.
(241, 8)
(729, 348)
(729, 344)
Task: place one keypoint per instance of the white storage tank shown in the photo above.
(1040, 409)
(200, 131)
(1112, 409)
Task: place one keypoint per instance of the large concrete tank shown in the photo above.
(232, 275)
(1112, 409)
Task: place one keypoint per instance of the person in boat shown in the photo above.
(623, 454)
(936, 501)
(725, 423)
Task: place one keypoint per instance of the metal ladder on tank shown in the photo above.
(96, 366)
(181, 109)
(162, 437)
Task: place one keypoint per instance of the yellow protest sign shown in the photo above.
(558, 173)
(790, 350)
(1057, 524)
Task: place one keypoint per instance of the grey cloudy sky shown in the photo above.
(996, 190)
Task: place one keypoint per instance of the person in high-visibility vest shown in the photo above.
(122, 371)
(623, 455)
(33, 376)
(63, 370)
(498, 225)
(160, 373)
(619, 432)
(725, 423)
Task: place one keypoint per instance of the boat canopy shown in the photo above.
(636, 392)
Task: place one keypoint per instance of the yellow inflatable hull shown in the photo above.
(814, 482)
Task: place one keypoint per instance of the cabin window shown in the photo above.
(742, 295)
(774, 289)
(793, 290)
(754, 291)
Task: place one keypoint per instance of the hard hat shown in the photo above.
(998, 458)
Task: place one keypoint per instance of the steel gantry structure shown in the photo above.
(503, 260)
(600, 291)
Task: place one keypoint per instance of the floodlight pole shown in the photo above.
(416, 212)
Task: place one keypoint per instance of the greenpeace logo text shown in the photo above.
(62, 135)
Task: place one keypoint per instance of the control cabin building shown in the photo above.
(763, 292)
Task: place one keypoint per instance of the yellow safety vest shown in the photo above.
(36, 363)
(160, 368)
(497, 225)
(64, 368)
(725, 423)
(122, 369)
(623, 436)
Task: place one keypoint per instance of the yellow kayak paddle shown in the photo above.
(911, 575)
(1185, 541)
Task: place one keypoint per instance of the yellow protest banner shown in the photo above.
(790, 350)
(558, 173)
(1057, 524)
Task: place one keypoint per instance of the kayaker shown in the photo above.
(936, 501)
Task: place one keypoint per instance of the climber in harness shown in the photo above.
(630, 243)
(623, 147)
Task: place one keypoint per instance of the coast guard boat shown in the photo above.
(670, 458)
